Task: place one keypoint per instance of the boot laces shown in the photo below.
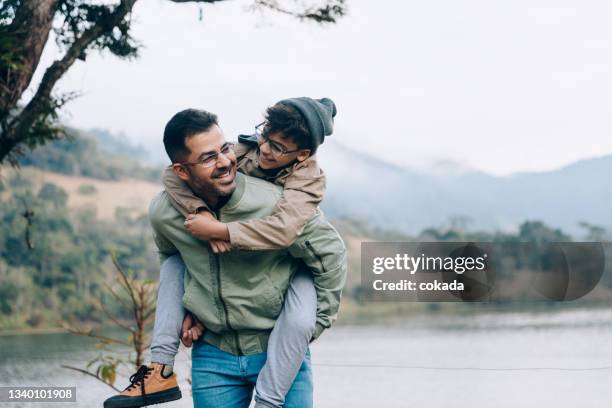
(139, 377)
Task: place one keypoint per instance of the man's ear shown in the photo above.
(303, 155)
(181, 171)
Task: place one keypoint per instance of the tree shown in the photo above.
(53, 194)
(81, 27)
(539, 233)
(138, 298)
(595, 233)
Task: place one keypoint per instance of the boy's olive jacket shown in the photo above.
(239, 295)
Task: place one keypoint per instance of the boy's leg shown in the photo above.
(300, 394)
(288, 342)
(169, 313)
(157, 380)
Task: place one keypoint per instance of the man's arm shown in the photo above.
(324, 252)
(165, 248)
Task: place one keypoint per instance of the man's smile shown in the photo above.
(225, 176)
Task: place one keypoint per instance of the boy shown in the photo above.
(282, 152)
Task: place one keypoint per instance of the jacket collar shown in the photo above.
(237, 194)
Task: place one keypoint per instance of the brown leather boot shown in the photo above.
(148, 387)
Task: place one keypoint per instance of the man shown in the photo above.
(238, 295)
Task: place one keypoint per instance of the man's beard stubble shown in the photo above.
(207, 190)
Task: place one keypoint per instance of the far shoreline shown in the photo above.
(32, 330)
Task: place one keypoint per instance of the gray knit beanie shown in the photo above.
(318, 114)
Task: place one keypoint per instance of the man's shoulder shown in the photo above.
(255, 199)
(254, 184)
(160, 208)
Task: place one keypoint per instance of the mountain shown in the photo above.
(409, 200)
(385, 195)
(94, 154)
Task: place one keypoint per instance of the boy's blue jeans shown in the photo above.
(223, 380)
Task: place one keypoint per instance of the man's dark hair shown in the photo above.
(183, 125)
(287, 120)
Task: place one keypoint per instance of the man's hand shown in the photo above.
(191, 330)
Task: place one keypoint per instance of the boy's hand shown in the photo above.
(219, 247)
(199, 225)
(204, 226)
(191, 330)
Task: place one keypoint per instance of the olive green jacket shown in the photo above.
(239, 295)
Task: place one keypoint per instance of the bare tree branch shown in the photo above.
(80, 370)
(117, 297)
(90, 333)
(328, 13)
(115, 320)
(127, 286)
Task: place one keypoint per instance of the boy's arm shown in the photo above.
(302, 193)
(324, 252)
(180, 195)
(165, 248)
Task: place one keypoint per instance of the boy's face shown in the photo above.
(276, 151)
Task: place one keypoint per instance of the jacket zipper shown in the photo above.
(311, 248)
(220, 294)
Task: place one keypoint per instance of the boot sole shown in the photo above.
(172, 394)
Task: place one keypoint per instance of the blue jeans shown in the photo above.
(288, 341)
(223, 380)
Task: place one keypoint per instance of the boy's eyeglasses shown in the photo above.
(211, 159)
(276, 148)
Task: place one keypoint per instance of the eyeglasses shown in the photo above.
(277, 149)
(211, 159)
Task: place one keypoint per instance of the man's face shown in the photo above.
(271, 152)
(218, 180)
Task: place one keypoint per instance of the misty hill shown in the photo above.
(381, 194)
(95, 154)
(408, 200)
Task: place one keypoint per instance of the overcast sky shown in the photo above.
(498, 85)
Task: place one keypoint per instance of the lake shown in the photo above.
(557, 359)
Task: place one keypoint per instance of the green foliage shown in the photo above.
(105, 368)
(53, 194)
(8, 296)
(87, 189)
(79, 15)
(67, 269)
(595, 233)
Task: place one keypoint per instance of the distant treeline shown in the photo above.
(98, 155)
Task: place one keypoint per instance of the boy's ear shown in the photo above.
(180, 171)
(303, 155)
